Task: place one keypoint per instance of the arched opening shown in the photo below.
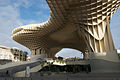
(69, 60)
(71, 53)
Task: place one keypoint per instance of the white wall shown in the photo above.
(6, 54)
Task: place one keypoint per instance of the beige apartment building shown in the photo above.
(5, 53)
(12, 54)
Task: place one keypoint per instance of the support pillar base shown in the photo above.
(104, 62)
(104, 66)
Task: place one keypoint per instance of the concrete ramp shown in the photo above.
(12, 68)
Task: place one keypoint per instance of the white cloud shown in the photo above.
(16, 3)
(24, 3)
(9, 19)
(44, 6)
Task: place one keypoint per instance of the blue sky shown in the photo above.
(14, 13)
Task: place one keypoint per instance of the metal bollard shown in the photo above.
(27, 73)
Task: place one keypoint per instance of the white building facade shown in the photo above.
(6, 54)
(12, 54)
